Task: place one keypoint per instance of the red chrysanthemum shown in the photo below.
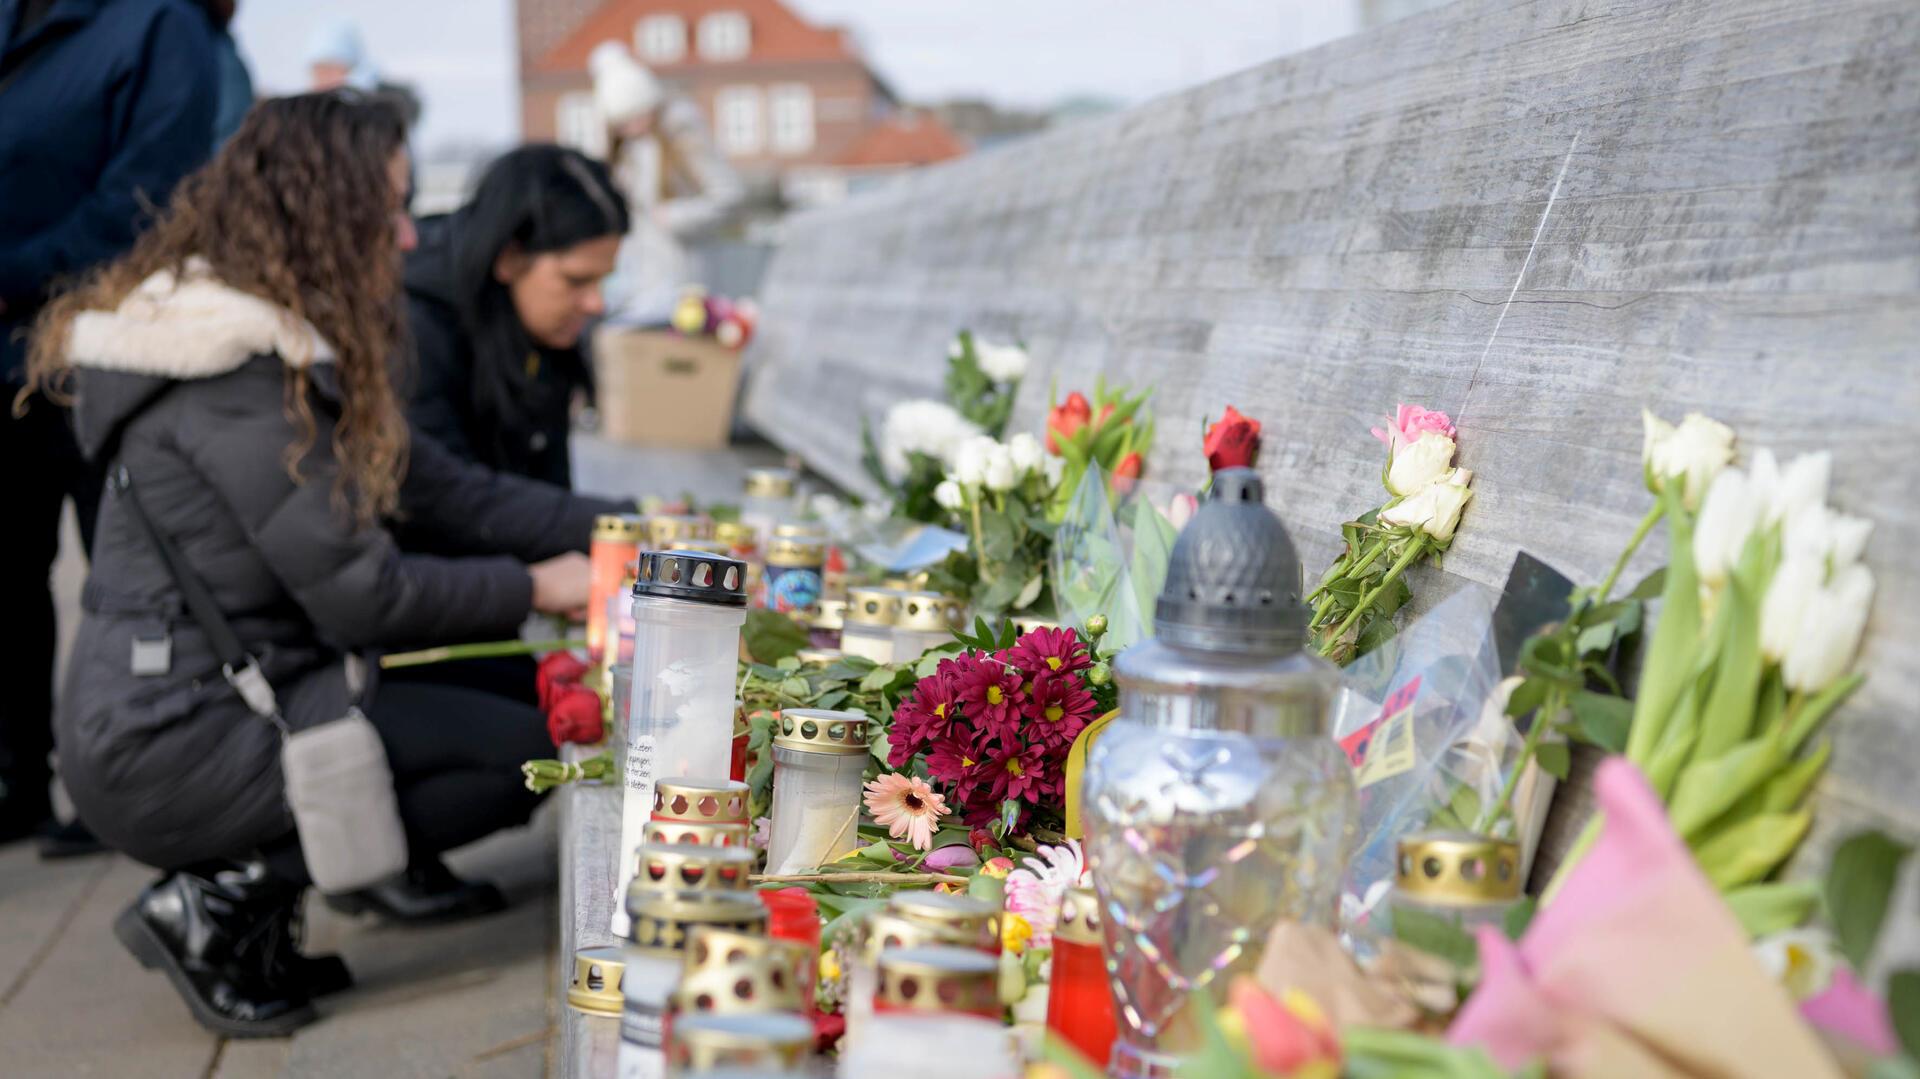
(1048, 651)
(990, 694)
(926, 715)
(1015, 773)
(955, 766)
(1059, 709)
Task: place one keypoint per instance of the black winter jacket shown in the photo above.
(171, 768)
(458, 363)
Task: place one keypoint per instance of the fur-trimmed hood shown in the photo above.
(193, 326)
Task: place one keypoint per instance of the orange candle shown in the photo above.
(616, 544)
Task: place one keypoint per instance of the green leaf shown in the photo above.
(1595, 638)
(1727, 718)
(876, 679)
(1707, 788)
(1555, 759)
(1671, 654)
(1650, 586)
(991, 889)
(1518, 917)
(1527, 696)
(1748, 850)
(1766, 909)
(771, 636)
(831, 699)
(1602, 719)
(1435, 935)
(1788, 789)
(997, 539)
(848, 668)
(1903, 1007)
(1860, 882)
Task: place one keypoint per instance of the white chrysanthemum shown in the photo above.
(1001, 363)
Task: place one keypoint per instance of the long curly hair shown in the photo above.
(298, 208)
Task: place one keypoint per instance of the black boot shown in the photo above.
(318, 975)
(208, 931)
(427, 893)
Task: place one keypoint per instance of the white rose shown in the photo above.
(921, 426)
(1733, 508)
(1027, 453)
(1422, 463)
(1001, 363)
(1829, 632)
(1001, 475)
(1793, 587)
(971, 458)
(1436, 508)
(949, 495)
(1690, 454)
(1801, 960)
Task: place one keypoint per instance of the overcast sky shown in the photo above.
(459, 53)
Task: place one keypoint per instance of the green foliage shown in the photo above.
(973, 393)
(1903, 1007)
(1378, 1053)
(1436, 936)
(771, 636)
(1860, 883)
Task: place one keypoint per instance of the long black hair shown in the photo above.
(540, 198)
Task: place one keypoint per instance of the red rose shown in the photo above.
(1067, 417)
(1126, 472)
(1232, 442)
(981, 841)
(556, 669)
(827, 1029)
(575, 716)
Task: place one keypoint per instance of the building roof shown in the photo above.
(909, 138)
(777, 36)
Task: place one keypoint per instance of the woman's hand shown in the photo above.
(560, 585)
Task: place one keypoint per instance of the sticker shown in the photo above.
(792, 588)
(1384, 748)
(636, 808)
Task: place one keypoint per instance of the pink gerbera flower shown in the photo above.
(990, 693)
(1061, 708)
(906, 807)
(1048, 651)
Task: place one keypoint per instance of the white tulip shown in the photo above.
(1422, 463)
(1027, 452)
(1803, 484)
(971, 459)
(1830, 631)
(1690, 454)
(1000, 474)
(1001, 363)
(1800, 960)
(1056, 467)
(1849, 536)
(1793, 587)
(1731, 511)
(949, 495)
(1436, 508)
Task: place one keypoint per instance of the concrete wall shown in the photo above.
(1539, 215)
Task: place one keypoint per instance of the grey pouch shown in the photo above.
(341, 792)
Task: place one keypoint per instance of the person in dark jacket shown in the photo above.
(233, 368)
(104, 106)
(499, 295)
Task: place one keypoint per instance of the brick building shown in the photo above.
(787, 100)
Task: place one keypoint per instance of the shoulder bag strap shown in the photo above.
(242, 671)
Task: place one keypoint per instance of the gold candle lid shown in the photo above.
(916, 919)
(829, 614)
(818, 730)
(696, 833)
(689, 868)
(728, 971)
(663, 921)
(939, 979)
(736, 534)
(685, 798)
(807, 550)
(703, 546)
(1079, 917)
(768, 483)
(868, 606)
(620, 527)
(1458, 868)
(668, 529)
(596, 981)
(929, 612)
(763, 1039)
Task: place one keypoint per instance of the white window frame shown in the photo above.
(725, 35)
(577, 123)
(790, 117)
(660, 39)
(738, 120)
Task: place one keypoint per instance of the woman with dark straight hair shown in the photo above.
(500, 293)
(232, 374)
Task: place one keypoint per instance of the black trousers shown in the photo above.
(42, 466)
(455, 752)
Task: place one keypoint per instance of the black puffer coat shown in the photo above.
(171, 768)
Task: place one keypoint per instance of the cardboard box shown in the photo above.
(657, 388)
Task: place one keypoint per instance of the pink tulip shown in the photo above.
(954, 856)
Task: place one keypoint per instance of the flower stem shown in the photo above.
(1542, 719)
(483, 650)
(979, 545)
(1414, 550)
(1654, 513)
(856, 878)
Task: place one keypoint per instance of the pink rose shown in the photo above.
(1409, 423)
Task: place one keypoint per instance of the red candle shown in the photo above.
(616, 542)
(1079, 1004)
(793, 915)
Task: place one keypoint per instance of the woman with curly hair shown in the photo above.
(232, 371)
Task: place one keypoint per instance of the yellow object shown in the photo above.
(1457, 868)
(1076, 770)
(1015, 932)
